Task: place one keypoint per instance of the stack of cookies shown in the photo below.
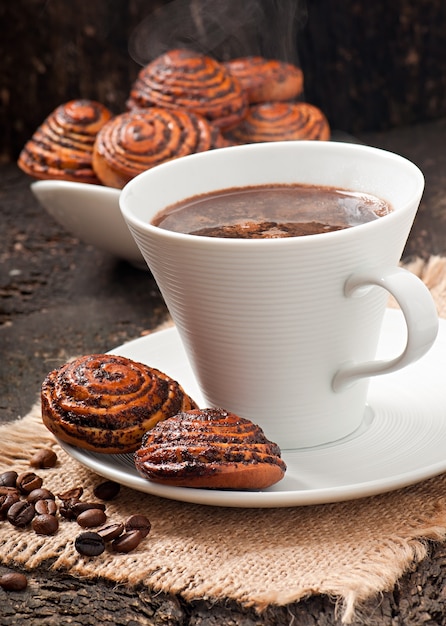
(181, 103)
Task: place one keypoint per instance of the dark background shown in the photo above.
(369, 65)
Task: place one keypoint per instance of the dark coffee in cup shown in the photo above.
(271, 211)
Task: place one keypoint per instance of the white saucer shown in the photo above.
(402, 440)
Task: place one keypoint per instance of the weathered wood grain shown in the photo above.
(59, 599)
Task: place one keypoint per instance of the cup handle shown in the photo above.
(420, 314)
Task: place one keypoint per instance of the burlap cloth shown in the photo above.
(351, 551)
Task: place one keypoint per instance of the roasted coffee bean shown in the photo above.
(110, 532)
(45, 524)
(6, 491)
(79, 507)
(40, 494)
(107, 490)
(71, 494)
(127, 542)
(21, 513)
(6, 501)
(138, 522)
(8, 479)
(28, 481)
(66, 509)
(43, 459)
(89, 544)
(91, 518)
(45, 507)
(13, 581)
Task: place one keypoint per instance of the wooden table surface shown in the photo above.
(60, 298)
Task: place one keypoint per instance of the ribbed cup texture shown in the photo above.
(265, 323)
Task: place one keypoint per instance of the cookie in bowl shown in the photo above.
(139, 139)
(282, 121)
(185, 79)
(209, 448)
(267, 80)
(62, 146)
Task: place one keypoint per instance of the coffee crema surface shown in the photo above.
(271, 211)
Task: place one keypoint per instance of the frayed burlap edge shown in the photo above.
(350, 551)
(433, 273)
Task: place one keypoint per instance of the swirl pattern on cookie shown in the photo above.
(282, 121)
(182, 78)
(267, 80)
(142, 138)
(106, 403)
(210, 448)
(62, 146)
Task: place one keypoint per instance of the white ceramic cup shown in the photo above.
(285, 331)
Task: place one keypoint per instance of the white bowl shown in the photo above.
(92, 214)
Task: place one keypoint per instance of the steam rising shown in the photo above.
(223, 29)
